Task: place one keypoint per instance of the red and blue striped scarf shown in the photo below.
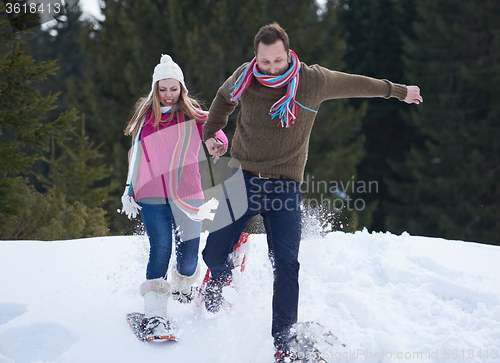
(286, 107)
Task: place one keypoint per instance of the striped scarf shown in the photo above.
(185, 130)
(286, 107)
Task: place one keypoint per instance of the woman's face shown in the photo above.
(169, 90)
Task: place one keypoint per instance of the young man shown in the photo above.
(279, 98)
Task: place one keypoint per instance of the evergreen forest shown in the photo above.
(68, 89)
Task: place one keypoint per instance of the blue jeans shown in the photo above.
(165, 223)
(278, 202)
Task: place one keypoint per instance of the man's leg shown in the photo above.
(283, 224)
(233, 214)
(220, 244)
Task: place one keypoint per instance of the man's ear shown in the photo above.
(289, 56)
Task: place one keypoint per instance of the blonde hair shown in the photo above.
(188, 106)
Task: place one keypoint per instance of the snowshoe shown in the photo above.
(210, 292)
(151, 329)
(285, 356)
(185, 298)
(313, 343)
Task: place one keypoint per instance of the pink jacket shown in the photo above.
(155, 166)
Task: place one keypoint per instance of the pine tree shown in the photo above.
(62, 42)
(24, 131)
(76, 173)
(336, 143)
(47, 216)
(212, 39)
(374, 33)
(451, 175)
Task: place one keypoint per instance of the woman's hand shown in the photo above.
(215, 148)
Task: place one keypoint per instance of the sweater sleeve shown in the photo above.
(222, 106)
(344, 85)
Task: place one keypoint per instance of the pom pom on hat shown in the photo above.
(167, 68)
(165, 58)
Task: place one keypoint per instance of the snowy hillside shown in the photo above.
(388, 298)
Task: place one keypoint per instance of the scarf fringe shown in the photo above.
(204, 212)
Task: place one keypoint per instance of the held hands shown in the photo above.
(215, 148)
(413, 95)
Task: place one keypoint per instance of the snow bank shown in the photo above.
(388, 298)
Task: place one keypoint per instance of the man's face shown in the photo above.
(272, 59)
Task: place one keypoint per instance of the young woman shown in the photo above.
(164, 183)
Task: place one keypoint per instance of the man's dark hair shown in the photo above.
(270, 34)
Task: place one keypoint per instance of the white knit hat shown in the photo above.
(167, 68)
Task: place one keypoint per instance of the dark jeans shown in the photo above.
(278, 202)
(162, 222)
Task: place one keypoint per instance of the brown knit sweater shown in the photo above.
(258, 144)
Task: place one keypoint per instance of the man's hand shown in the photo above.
(413, 95)
(215, 148)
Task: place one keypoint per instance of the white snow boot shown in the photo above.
(183, 289)
(156, 293)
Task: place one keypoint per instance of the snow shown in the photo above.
(91, 8)
(389, 298)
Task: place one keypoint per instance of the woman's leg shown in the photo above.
(158, 221)
(187, 238)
